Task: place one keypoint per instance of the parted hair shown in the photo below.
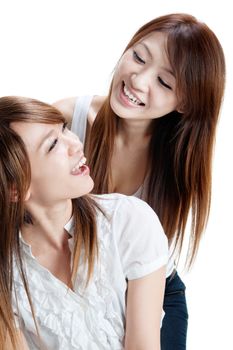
(15, 177)
(181, 145)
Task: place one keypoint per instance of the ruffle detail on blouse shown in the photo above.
(84, 319)
(100, 293)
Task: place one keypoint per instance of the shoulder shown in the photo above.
(66, 107)
(128, 210)
(136, 232)
(95, 106)
(109, 203)
(117, 200)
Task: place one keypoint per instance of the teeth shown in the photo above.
(81, 163)
(131, 97)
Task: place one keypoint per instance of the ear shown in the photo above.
(14, 195)
(180, 108)
(28, 195)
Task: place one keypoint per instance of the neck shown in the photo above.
(134, 131)
(48, 223)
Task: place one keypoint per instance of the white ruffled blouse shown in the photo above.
(132, 244)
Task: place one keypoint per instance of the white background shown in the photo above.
(51, 49)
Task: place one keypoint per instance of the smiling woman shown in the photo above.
(71, 262)
(59, 153)
(155, 132)
(144, 78)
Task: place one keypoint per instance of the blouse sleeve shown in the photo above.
(142, 244)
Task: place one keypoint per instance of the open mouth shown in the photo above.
(80, 168)
(131, 97)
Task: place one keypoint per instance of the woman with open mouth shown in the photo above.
(77, 271)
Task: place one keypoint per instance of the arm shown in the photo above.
(144, 310)
(143, 250)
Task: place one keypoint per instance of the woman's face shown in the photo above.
(57, 162)
(144, 86)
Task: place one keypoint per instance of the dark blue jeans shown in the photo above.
(175, 321)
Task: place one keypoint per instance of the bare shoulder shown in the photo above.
(95, 106)
(66, 106)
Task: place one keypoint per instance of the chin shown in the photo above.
(86, 189)
(91, 186)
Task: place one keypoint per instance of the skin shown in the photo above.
(143, 313)
(50, 192)
(146, 73)
(54, 151)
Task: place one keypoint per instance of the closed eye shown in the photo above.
(138, 58)
(64, 126)
(53, 145)
(164, 84)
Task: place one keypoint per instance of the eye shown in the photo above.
(64, 126)
(138, 58)
(164, 84)
(53, 145)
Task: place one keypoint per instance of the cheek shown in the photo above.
(54, 167)
(173, 102)
(60, 152)
(116, 77)
(164, 99)
(122, 68)
(162, 103)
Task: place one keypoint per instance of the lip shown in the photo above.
(82, 171)
(77, 170)
(85, 170)
(131, 90)
(125, 100)
(77, 162)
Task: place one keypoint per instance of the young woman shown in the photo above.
(82, 272)
(153, 137)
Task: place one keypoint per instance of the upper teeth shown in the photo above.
(81, 163)
(131, 97)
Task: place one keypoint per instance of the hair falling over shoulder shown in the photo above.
(181, 145)
(15, 176)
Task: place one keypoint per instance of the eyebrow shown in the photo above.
(147, 49)
(45, 138)
(150, 54)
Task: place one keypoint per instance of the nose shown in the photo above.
(141, 81)
(74, 144)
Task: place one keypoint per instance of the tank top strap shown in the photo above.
(79, 121)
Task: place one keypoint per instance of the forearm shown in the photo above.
(144, 344)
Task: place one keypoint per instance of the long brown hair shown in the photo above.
(181, 146)
(15, 180)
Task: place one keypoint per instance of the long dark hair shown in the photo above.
(181, 146)
(14, 181)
